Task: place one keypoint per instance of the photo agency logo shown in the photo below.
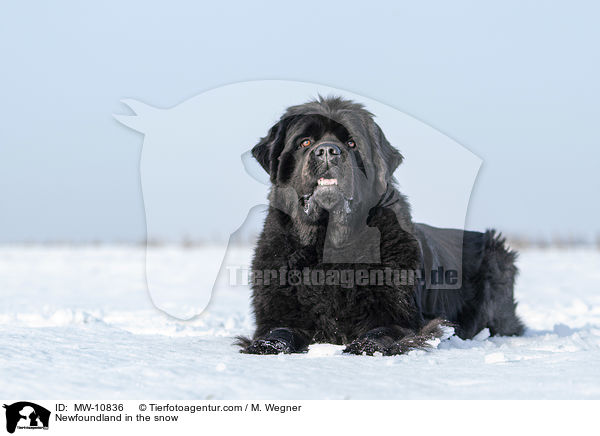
(25, 415)
(210, 164)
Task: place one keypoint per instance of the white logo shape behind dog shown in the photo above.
(193, 182)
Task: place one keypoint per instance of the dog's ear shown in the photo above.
(269, 148)
(391, 157)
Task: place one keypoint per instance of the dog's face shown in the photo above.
(318, 161)
(327, 159)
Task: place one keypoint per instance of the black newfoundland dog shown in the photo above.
(339, 259)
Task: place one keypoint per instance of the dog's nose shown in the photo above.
(327, 150)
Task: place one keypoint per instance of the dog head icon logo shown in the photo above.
(26, 415)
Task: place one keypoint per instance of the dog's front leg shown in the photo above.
(397, 340)
(377, 340)
(276, 341)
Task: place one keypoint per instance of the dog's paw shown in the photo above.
(366, 346)
(267, 346)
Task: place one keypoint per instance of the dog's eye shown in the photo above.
(351, 143)
(306, 142)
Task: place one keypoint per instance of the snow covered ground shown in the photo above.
(78, 323)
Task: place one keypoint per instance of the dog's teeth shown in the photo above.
(326, 182)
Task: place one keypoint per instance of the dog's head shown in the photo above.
(326, 157)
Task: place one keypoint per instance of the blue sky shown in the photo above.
(515, 82)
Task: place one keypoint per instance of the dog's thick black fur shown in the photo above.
(334, 208)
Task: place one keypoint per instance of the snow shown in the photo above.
(77, 322)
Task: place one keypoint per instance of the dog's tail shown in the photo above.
(242, 342)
